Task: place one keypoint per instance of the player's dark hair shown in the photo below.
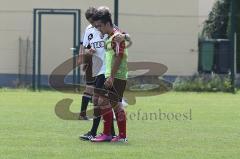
(103, 14)
(90, 12)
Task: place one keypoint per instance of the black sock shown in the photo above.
(95, 125)
(112, 129)
(85, 101)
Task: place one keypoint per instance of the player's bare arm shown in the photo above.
(110, 80)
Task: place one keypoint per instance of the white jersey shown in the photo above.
(94, 38)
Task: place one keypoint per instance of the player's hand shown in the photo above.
(90, 51)
(109, 82)
(119, 38)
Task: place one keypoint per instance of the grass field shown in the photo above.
(30, 129)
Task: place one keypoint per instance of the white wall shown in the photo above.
(163, 31)
(16, 20)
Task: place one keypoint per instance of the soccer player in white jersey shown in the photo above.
(87, 59)
(94, 43)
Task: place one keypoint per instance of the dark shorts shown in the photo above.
(88, 73)
(116, 92)
(99, 81)
(98, 85)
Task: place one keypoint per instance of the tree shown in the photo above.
(216, 26)
(238, 33)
